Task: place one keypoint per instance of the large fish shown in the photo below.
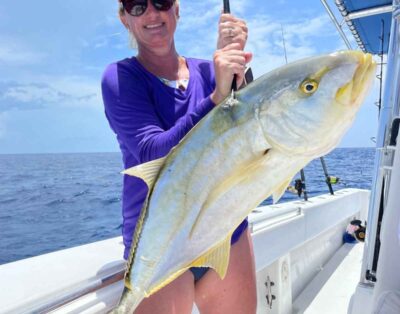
(243, 151)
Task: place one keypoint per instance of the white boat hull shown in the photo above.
(292, 243)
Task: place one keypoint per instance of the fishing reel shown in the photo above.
(297, 188)
(332, 180)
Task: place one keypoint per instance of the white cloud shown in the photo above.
(266, 42)
(319, 26)
(32, 93)
(111, 20)
(197, 33)
(86, 91)
(57, 65)
(195, 19)
(14, 52)
(113, 39)
(19, 56)
(196, 15)
(198, 25)
(55, 92)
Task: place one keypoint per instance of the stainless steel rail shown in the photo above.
(336, 23)
(349, 17)
(369, 12)
(75, 294)
(385, 153)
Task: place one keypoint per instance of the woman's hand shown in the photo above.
(231, 30)
(228, 61)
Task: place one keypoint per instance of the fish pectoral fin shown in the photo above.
(148, 171)
(216, 258)
(276, 196)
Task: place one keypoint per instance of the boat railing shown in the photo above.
(384, 154)
(88, 278)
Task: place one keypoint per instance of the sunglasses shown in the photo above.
(138, 7)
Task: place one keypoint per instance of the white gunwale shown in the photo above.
(89, 274)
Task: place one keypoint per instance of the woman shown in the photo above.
(151, 101)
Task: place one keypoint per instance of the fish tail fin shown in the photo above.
(129, 301)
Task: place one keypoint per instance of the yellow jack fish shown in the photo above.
(243, 151)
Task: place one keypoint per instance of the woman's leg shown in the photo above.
(175, 298)
(236, 294)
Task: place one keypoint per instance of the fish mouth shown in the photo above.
(352, 91)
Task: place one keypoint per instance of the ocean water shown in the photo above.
(50, 202)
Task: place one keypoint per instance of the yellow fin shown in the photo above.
(280, 191)
(148, 171)
(216, 258)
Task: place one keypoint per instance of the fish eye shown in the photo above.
(309, 86)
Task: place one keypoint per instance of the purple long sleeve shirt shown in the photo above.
(149, 118)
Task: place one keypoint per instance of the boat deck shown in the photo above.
(331, 290)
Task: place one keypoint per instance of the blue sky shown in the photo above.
(53, 53)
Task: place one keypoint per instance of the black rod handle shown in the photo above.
(303, 181)
(227, 9)
(328, 179)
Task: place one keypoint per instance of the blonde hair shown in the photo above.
(121, 10)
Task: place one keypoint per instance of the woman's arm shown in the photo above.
(133, 118)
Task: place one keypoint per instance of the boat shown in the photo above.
(88, 278)
(302, 264)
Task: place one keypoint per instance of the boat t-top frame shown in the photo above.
(370, 21)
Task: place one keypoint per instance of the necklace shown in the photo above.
(183, 76)
(181, 84)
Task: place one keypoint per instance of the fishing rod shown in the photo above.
(227, 9)
(328, 179)
(303, 184)
(380, 76)
(248, 75)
